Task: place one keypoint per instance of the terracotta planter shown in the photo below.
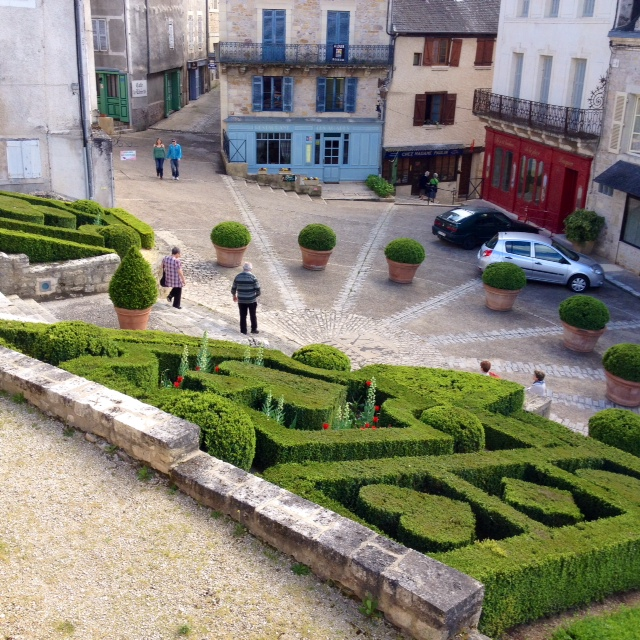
(401, 272)
(582, 340)
(314, 260)
(229, 257)
(622, 392)
(133, 318)
(500, 299)
(586, 248)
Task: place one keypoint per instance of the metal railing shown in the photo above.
(370, 55)
(571, 122)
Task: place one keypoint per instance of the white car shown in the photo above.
(542, 259)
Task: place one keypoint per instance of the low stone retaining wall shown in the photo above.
(56, 279)
(423, 597)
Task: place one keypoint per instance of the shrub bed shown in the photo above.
(81, 236)
(618, 428)
(465, 428)
(145, 231)
(323, 356)
(380, 186)
(120, 238)
(618, 625)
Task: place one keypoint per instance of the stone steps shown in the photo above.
(14, 308)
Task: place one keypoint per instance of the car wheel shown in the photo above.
(578, 283)
(469, 243)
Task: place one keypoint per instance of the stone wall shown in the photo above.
(423, 597)
(56, 279)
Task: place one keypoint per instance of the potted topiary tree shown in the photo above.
(622, 370)
(584, 320)
(133, 291)
(316, 244)
(404, 256)
(582, 228)
(230, 240)
(503, 281)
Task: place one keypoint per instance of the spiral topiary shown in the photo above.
(623, 360)
(465, 428)
(88, 206)
(68, 340)
(323, 356)
(584, 312)
(504, 275)
(226, 432)
(618, 428)
(120, 237)
(405, 250)
(230, 235)
(317, 237)
(133, 285)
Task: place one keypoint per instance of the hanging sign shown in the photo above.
(129, 154)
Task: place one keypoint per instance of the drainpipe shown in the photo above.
(83, 94)
(383, 104)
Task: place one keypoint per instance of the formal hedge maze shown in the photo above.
(547, 519)
(50, 230)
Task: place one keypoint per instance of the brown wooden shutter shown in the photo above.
(449, 108)
(456, 48)
(479, 52)
(484, 53)
(419, 110)
(427, 56)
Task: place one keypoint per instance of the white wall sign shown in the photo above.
(138, 88)
(128, 155)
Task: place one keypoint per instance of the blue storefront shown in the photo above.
(332, 149)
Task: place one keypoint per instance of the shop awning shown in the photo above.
(622, 176)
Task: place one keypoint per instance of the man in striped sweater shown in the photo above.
(245, 291)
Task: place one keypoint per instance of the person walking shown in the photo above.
(245, 292)
(423, 185)
(433, 187)
(174, 154)
(159, 154)
(173, 276)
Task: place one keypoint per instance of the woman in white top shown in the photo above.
(538, 388)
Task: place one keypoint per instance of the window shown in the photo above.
(518, 61)
(434, 108)
(100, 39)
(497, 168)
(442, 52)
(213, 5)
(23, 159)
(273, 148)
(417, 59)
(200, 31)
(191, 32)
(544, 252)
(588, 8)
(634, 147)
(272, 93)
(273, 35)
(546, 63)
(605, 190)
(336, 94)
(523, 8)
(338, 25)
(518, 247)
(484, 52)
(172, 41)
(631, 224)
(553, 8)
(578, 70)
(345, 148)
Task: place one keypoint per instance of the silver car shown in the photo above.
(542, 259)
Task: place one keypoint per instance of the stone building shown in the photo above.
(543, 113)
(150, 56)
(47, 99)
(616, 189)
(442, 51)
(299, 86)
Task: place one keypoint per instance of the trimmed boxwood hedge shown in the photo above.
(81, 236)
(323, 356)
(465, 428)
(584, 312)
(622, 624)
(16, 209)
(145, 231)
(120, 238)
(623, 360)
(618, 428)
(54, 217)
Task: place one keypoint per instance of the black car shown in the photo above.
(471, 227)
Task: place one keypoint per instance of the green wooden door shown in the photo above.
(123, 93)
(172, 92)
(113, 95)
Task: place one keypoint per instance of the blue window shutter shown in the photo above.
(343, 27)
(287, 94)
(352, 91)
(256, 97)
(321, 94)
(267, 26)
(279, 27)
(332, 27)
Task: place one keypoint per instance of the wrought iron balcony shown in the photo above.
(365, 55)
(573, 123)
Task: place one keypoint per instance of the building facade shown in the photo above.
(48, 98)
(299, 86)
(615, 192)
(151, 57)
(442, 52)
(544, 111)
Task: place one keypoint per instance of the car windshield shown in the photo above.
(455, 215)
(565, 251)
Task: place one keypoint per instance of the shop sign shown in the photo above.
(138, 88)
(420, 153)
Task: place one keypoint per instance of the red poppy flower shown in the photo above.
(368, 383)
(361, 428)
(366, 424)
(376, 408)
(217, 369)
(179, 378)
(375, 418)
(176, 384)
(197, 368)
(374, 427)
(325, 425)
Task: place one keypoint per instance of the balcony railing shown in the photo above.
(369, 55)
(574, 123)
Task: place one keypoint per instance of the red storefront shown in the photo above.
(537, 182)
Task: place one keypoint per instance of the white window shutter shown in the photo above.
(104, 40)
(14, 159)
(619, 107)
(31, 158)
(96, 36)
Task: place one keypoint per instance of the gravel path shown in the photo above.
(88, 550)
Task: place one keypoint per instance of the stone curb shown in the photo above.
(423, 597)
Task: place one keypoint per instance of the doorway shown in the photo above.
(172, 92)
(113, 95)
(569, 186)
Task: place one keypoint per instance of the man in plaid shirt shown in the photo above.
(173, 276)
(245, 291)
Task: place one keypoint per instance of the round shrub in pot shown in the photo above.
(316, 244)
(584, 319)
(582, 228)
(404, 256)
(618, 428)
(230, 240)
(622, 369)
(323, 356)
(502, 282)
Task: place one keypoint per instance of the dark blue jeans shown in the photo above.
(251, 308)
(174, 168)
(160, 167)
